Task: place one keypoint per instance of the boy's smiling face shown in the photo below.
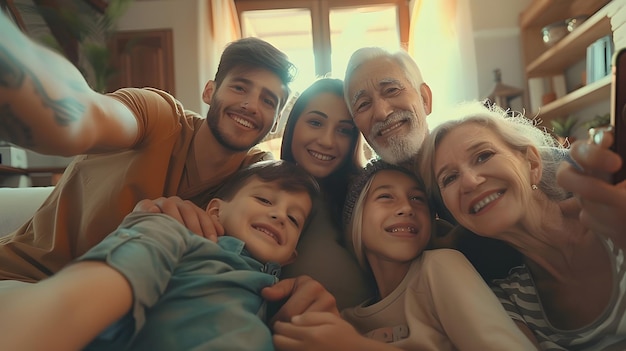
(266, 217)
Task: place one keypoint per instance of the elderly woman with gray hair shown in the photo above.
(495, 173)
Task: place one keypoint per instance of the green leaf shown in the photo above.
(563, 127)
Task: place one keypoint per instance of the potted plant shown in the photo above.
(562, 129)
(77, 29)
(597, 121)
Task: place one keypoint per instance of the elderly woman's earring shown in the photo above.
(534, 187)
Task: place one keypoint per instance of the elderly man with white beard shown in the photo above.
(389, 102)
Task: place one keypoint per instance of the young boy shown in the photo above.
(165, 288)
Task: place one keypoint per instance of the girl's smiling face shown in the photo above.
(396, 218)
(483, 182)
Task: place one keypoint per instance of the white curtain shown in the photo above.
(224, 23)
(220, 28)
(441, 41)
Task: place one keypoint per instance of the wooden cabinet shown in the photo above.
(143, 58)
(544, 62)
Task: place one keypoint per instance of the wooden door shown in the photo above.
(143, 58)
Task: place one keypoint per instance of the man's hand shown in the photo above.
(304, 295)
(316, 331)
(186, 213)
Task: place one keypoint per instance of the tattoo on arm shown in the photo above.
(13, 76)
(10, 77)
(13, 130)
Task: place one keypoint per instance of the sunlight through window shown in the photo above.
(355, 27)
(320, 39)
(289, 30)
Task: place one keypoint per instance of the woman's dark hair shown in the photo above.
(335, 186)
(256, 53)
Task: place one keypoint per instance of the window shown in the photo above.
(319, 35)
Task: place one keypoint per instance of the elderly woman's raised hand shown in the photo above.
(603, 204)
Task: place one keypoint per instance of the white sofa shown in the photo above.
(17, 205)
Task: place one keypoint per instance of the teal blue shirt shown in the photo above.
(213, 302)
(190, 293)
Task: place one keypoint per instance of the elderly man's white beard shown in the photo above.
(401, 148)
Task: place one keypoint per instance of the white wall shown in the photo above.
(497, 44)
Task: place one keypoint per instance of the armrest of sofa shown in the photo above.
(17, 205)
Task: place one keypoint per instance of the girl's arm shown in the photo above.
(314, 331)
(465, 307)
(529, 334)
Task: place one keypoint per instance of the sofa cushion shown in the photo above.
(17, 205)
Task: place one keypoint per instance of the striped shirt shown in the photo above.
(518, 295)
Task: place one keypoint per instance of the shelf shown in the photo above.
(543, 12)
(573, 47)
(12, 170)
(21, 177)
(578, 99)
(22, 171)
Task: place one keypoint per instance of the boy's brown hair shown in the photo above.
(288, 176)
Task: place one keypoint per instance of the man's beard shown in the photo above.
(400, 148)
(213, 120)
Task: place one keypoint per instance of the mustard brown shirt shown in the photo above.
(97, 191)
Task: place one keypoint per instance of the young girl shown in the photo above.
(427, 300)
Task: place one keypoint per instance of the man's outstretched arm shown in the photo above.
(47, 106)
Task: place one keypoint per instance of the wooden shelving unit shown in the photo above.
(542, 12)
(541, 61)
(44, 176)
(572, 48)
(6, 170)
(576, 100)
